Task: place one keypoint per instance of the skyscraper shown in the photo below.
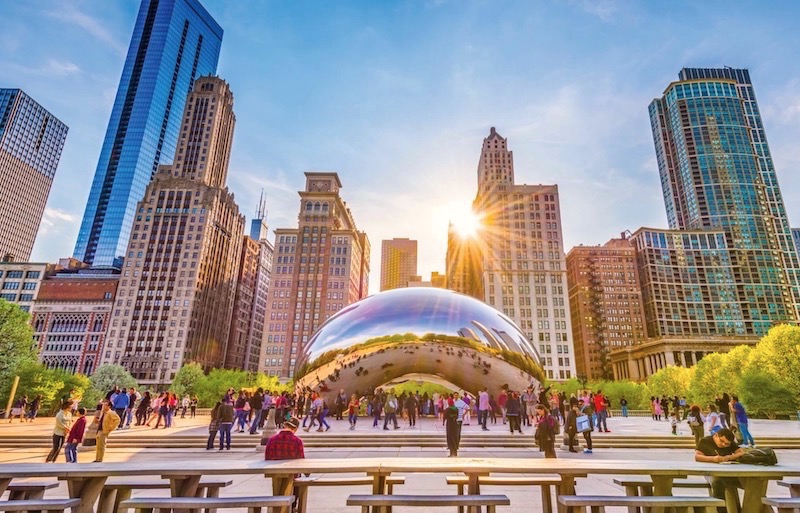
(524, 270)
(605, 301)
(727, 269)
(398, 263)
(319, 268)
(176, 294)
(173, 43)
(717, 174)
(31, 140)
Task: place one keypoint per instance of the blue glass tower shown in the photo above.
(174, 42)
(717, 174)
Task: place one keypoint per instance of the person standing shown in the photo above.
(376, 408)
(454, 418)
(513, 412)
(109, 421)
(193, 405)
(502, 399)
(713, 419)
(571, 424)
(390, 409)
(141, 410)
(33, 409)
(352, 411)
(256, 403)
(412, 405)
(585, 409)
(213, 426)
(545, 435)
(741, 419)
(75, 436)
(696, 421)
(483, 408)
(225, 417)
(121, 402)
(185, 405)
(340, 404)
(63, 424)
(602, 413)
(623, 404)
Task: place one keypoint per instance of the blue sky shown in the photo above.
(397, 97)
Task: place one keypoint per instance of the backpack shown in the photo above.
(764, 456)
(693, 421)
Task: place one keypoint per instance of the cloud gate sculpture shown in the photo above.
(418, 333)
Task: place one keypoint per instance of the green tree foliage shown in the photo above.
(637, 394)
(187, 378)
(670, 381)
(52, 384)
(778, 354)
(213, 386)
(103, 380)
(763, 395)
(17, 348)
(705, 383)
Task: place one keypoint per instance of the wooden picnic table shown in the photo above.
(86, 480)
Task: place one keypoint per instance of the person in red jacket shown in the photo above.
(601, 409)
(75, 436)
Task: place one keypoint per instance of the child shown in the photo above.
(674, 420)
(352, 411)
(75, 436)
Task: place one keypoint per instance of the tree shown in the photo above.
(213, 386)
(705, 383)
(778, 353)
(186, 379)
(670, 381)
(17, 348)
(104, 379)
(764, 395)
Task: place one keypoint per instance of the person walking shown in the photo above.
(213, 426)
(185, 405)
(352, 411)
(109, 421)
(742, 421)
(623, 404)
(18, 410)
(33, 409)
(322, 412)
(141, 410)
(376, 408)
(412, 405)
(601, 410)
(545, 435)
(121, 402)
(225, 417)
(256, 403)
(571, 424)
(696, 421)
(193, 406)
(483, 408)
(63, 424)
(75, 436)
(585, 409)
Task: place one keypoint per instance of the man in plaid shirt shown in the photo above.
(285, 445)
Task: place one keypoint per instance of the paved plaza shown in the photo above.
(332, 499)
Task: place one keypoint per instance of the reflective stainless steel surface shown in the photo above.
(418, 330)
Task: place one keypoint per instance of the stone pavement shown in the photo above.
(332, 499)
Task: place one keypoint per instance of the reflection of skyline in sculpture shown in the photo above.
(422, 330)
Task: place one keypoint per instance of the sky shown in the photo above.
(397, 97)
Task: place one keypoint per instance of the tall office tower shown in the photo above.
(259, 233)
(31, 140)
(177, 289)
(319, 268)
(524, 269)
(727, 269)
(174, 42)
(717, 174)
(243, 303)
(605, 301)
(398, 263)
(463, 264)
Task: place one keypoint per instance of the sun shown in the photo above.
(467, 224)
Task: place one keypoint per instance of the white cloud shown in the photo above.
(94, 27)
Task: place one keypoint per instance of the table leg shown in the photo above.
(662, 486)
(4, 482)
(755, 488)
(87, 490)
(379, 488)
(567, 487)
(185, 486)
(474, 488)
(283, 485)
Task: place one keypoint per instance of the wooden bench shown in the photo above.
(302, 485)
(783, 504)
(470, 501)
(793, 485)
(545, 482)
(114, 492)
(643, 486)
(42, 505)
(598, 503)
(253, 504)
(29, 490)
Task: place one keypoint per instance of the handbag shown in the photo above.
(583, 423)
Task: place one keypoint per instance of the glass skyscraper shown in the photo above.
(174, 42)
(31, 140)
(717, 174)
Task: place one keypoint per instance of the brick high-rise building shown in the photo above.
(605, 301)
(31, 140)
(523, 265)
(398, 263)
(177, 289)
(71, 318)
(236, 352)
(318, 268)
